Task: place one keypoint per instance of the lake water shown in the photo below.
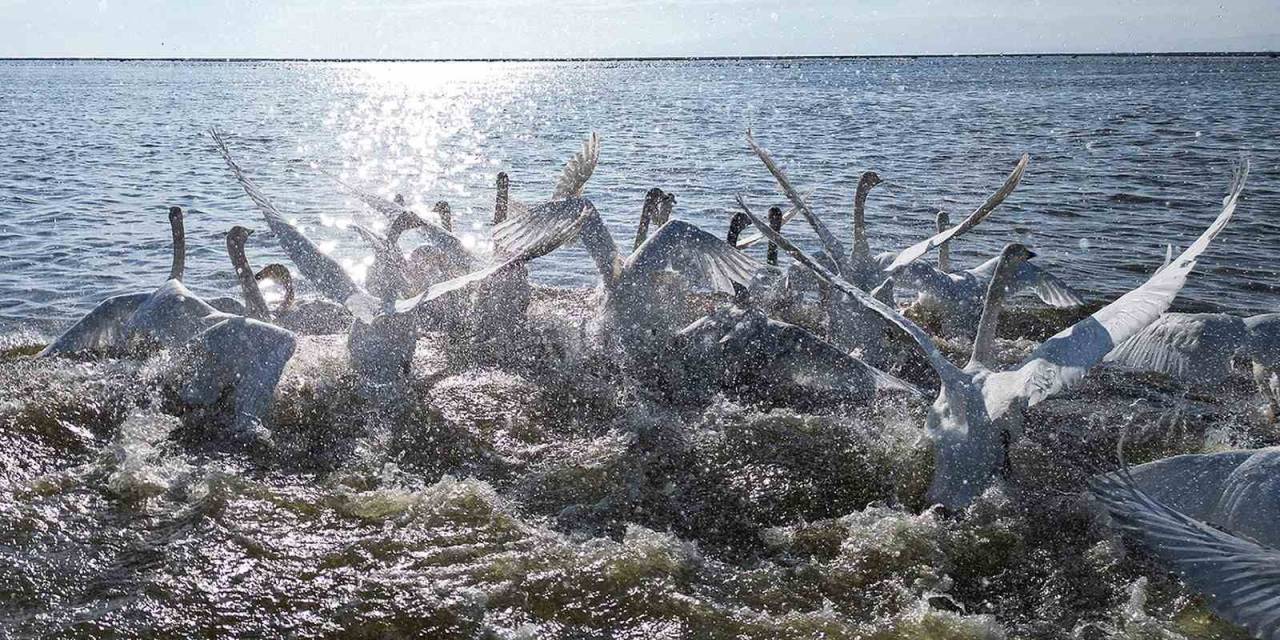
(500, 496)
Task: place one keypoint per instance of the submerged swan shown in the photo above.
(1237, 569)
(977, 406)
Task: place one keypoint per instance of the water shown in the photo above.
(1127, 154)
(509, 496)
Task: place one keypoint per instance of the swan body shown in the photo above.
(1236, 567)
(977, 406)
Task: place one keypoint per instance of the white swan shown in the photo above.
(977, 406)
(110, 325)
(1238, 570)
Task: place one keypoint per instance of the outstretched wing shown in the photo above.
(533, 251)
(578, 170)
(830, 243)
(696, 255)
(913, 252)
(1049, 288)
(1241, 578)
(325, 272)
(948, 372)
(102, 328)
(1062, 360)
(1196, 347)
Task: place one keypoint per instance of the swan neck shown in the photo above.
(860, 245)
(178, 265)
(739, 222)
(647, 213)
(255, 304)
(944, 249)
(997, 291)
(502, 202)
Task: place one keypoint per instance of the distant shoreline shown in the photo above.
(1167, 54)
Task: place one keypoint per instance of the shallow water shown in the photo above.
(539, 492)
(1128, 154)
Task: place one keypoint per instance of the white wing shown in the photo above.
(695, 254)
(386, 207)
(1049, 288)
(830, 244)
(1062, 360)
(1195, 347)
(101, 328)
(948, 372)
(1241, 578)
(913, 252)
(578, 170)
(537, 250)
(325, 272)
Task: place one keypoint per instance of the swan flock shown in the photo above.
(689, 316)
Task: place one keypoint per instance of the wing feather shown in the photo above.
(325, 272)
(1195, 347)
(1049, 288)
(695, 254)
(578, 170)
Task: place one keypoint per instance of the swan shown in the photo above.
(108, 326)
(1237, 569)
(645, 308)
(382, 338)
(977, 406)
(941, 223)
(956, 297)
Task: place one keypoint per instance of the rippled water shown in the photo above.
(1127, 154)
(543, 493)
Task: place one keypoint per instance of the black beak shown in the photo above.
(1030, 254)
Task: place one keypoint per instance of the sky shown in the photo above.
(616, 28)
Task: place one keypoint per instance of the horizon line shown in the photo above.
(1114, 54)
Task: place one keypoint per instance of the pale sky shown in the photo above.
(617, 28)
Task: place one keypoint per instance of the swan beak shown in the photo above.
(1030, 254)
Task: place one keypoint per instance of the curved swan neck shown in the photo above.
(997, 290)
(647, 214)
(775, 223)
(503, 200)
(403, 222)
(179, 244)
(944, 250)
(282, 276)
(865, 183)
(255, 304)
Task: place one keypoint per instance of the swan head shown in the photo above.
(175, 214)
(868, 180)
(399, 199)
(238, 236)
(1016, 253)
(943, 220)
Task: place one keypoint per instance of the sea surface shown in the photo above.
(535, 489)
(1127, 154)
